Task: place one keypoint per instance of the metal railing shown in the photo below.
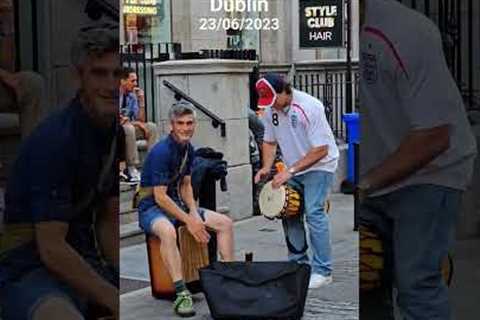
(233, 54)
(142, 57)
(216, 120)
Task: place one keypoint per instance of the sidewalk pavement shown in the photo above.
(336, 301)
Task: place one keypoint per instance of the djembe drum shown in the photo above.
(286, 201)
(372, 261)
(194, 256)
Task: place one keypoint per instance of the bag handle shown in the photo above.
(250, 282)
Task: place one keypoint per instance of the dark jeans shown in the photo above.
(417, 226)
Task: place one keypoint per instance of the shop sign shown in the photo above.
(321, 23)
(140, 7)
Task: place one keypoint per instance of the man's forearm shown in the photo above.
(415, 152)
(171, 208)
(187, 196)
(268, 154)
(141, 114)
(64, 262)
(312, 157)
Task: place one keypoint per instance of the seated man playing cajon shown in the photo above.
(166, 198)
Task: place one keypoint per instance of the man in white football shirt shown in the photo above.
(416, 158)
(296, 122)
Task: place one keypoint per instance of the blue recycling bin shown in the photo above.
(352, 121)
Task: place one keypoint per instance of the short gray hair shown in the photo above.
(96, 40)
(181, 108)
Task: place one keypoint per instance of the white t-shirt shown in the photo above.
(299, 128)
(405, 84)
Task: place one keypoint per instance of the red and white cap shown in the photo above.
(266, 93)
(267, 88)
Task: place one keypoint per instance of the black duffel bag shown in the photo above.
(255, 290)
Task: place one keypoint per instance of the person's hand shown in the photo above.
(139, 92)
(280, 178)
(197, 229)
(261, 174)
(146, 133)
(123, 120)
(194, 214)
(363, 189)
(142, 127)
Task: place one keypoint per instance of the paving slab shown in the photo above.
(264, 238)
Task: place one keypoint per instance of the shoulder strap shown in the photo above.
(143, 192)
(181, 168)
(103, 176)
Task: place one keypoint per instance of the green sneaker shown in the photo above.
(183, 304)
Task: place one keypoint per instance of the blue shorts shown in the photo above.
(148, 217)
(23, 291)
(20, 299)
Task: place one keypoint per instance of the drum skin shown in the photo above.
(272, 201)
(282, 202)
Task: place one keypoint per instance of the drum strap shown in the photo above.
(290, 246)
(298, 186)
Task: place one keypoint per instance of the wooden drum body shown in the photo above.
(194, 256)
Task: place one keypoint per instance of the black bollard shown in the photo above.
(356, 202)
(208, 200)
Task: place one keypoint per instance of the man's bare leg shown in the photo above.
(223, 226)
(132, 157)
(169, 252)
(152, 134)
(164, 229)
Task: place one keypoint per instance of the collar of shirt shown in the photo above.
(103, 136)
(180, 148)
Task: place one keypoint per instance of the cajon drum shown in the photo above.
(194, 256)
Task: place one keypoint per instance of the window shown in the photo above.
(146, 21)
(243, 39)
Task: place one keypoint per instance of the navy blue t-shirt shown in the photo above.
(57, 166)
(161, 168)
